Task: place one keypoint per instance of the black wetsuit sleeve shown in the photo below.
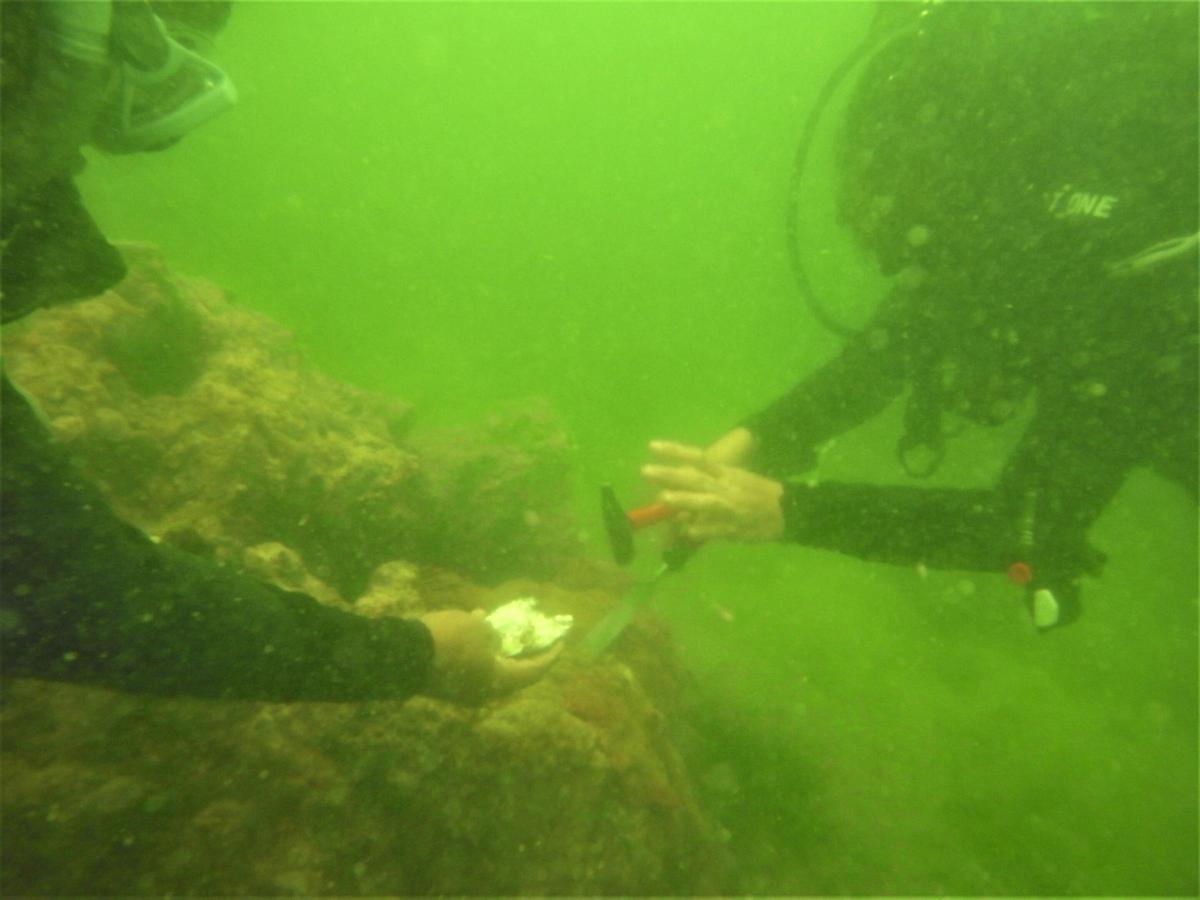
(856, 385)
(955, 529)
(1065, 470)
(86, 597)
(53, 251)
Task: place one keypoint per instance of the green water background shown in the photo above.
(466, 204)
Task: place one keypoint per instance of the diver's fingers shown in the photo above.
(685, 454)
(709, 530)
(513, 674)
(702, 517)
(731, 448)
(493, 637)
(674, 450)
(686, 478)
(679, 477)
(696, 502)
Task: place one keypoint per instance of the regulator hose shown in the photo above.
(867, 47)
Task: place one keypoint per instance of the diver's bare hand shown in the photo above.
(714, 499)
(733, 448)
(466, 665)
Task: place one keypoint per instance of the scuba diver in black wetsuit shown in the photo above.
(1027, 173)
(84, 596)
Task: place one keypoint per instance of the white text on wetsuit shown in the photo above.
(1067, 204)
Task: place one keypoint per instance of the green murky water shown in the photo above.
(465, 203)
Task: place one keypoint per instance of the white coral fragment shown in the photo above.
(525, 630)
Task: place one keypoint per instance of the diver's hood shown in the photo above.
(957, 154)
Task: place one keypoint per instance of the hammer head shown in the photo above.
(617, 526)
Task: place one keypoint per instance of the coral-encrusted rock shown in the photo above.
(392, 592)
(205, 427)
(573, 786)
(501, 495)
(281, 566)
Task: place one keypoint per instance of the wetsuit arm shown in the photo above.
(51, 250)
(952, 529)
(859, 383)
(86, 597)
(1063, 473)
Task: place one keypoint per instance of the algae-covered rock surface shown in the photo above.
(204, 426)
(573, 786)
